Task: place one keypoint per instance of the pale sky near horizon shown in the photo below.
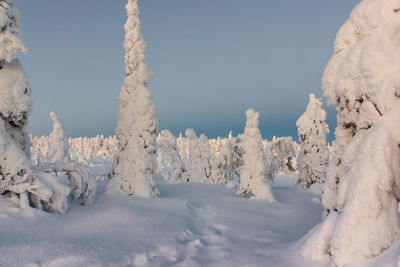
(211, 60)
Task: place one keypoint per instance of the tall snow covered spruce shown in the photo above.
(252, 176)
(17, 179)
(314, 153)
(362, 80)
(136, 163)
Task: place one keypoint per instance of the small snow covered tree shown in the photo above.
(223, 164)
(252, 176)
(136, 163)
(237, 150)
(362, 80)
(170, 164)
(314, 153)
(280, 156)
(83, 187)
(217, 170)
(195, 168)
(58, 143)
(205, 155)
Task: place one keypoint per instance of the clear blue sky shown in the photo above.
(211, 60)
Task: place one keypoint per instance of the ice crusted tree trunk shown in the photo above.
(314, 153)
(17, 179)
(170, 164)
(252, 176)
(136, 163)
(362, 80)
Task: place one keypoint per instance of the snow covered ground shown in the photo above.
(188, 225)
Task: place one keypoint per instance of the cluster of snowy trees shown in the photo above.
(222, 156)
(244, 162)
(361, 181)
(84, 150)
(58, 175)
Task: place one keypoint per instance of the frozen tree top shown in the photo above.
(313, 112)
(10, 44)
(252, 118)
(363, 66)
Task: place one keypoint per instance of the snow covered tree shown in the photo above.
(314, 153)
(205, 155)
(58, 143)
(362, 80)
(15, 102)
(252, 176)
(223, 163)
(195, 168)
(238, 151)
(136, 163)
(170, 164)
(17, 180)
(58, 162)
(194, 163)
(280, 156)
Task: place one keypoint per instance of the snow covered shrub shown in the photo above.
(362, 80)
(252, 175)
(314, 154)
(83, 187)
(170, 164)
(195, 169)
(136, 162)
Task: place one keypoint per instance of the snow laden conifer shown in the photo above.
(205, 154)
(281, 155)
(170, 164)
(15, 101)
(83, 187)
(312, 131)
(195, 168)
(222, 165)
(58, 143)
(362, 80)
(136, 162)
(17, 179)
(252, 176)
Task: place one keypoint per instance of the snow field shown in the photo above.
(187, 225)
